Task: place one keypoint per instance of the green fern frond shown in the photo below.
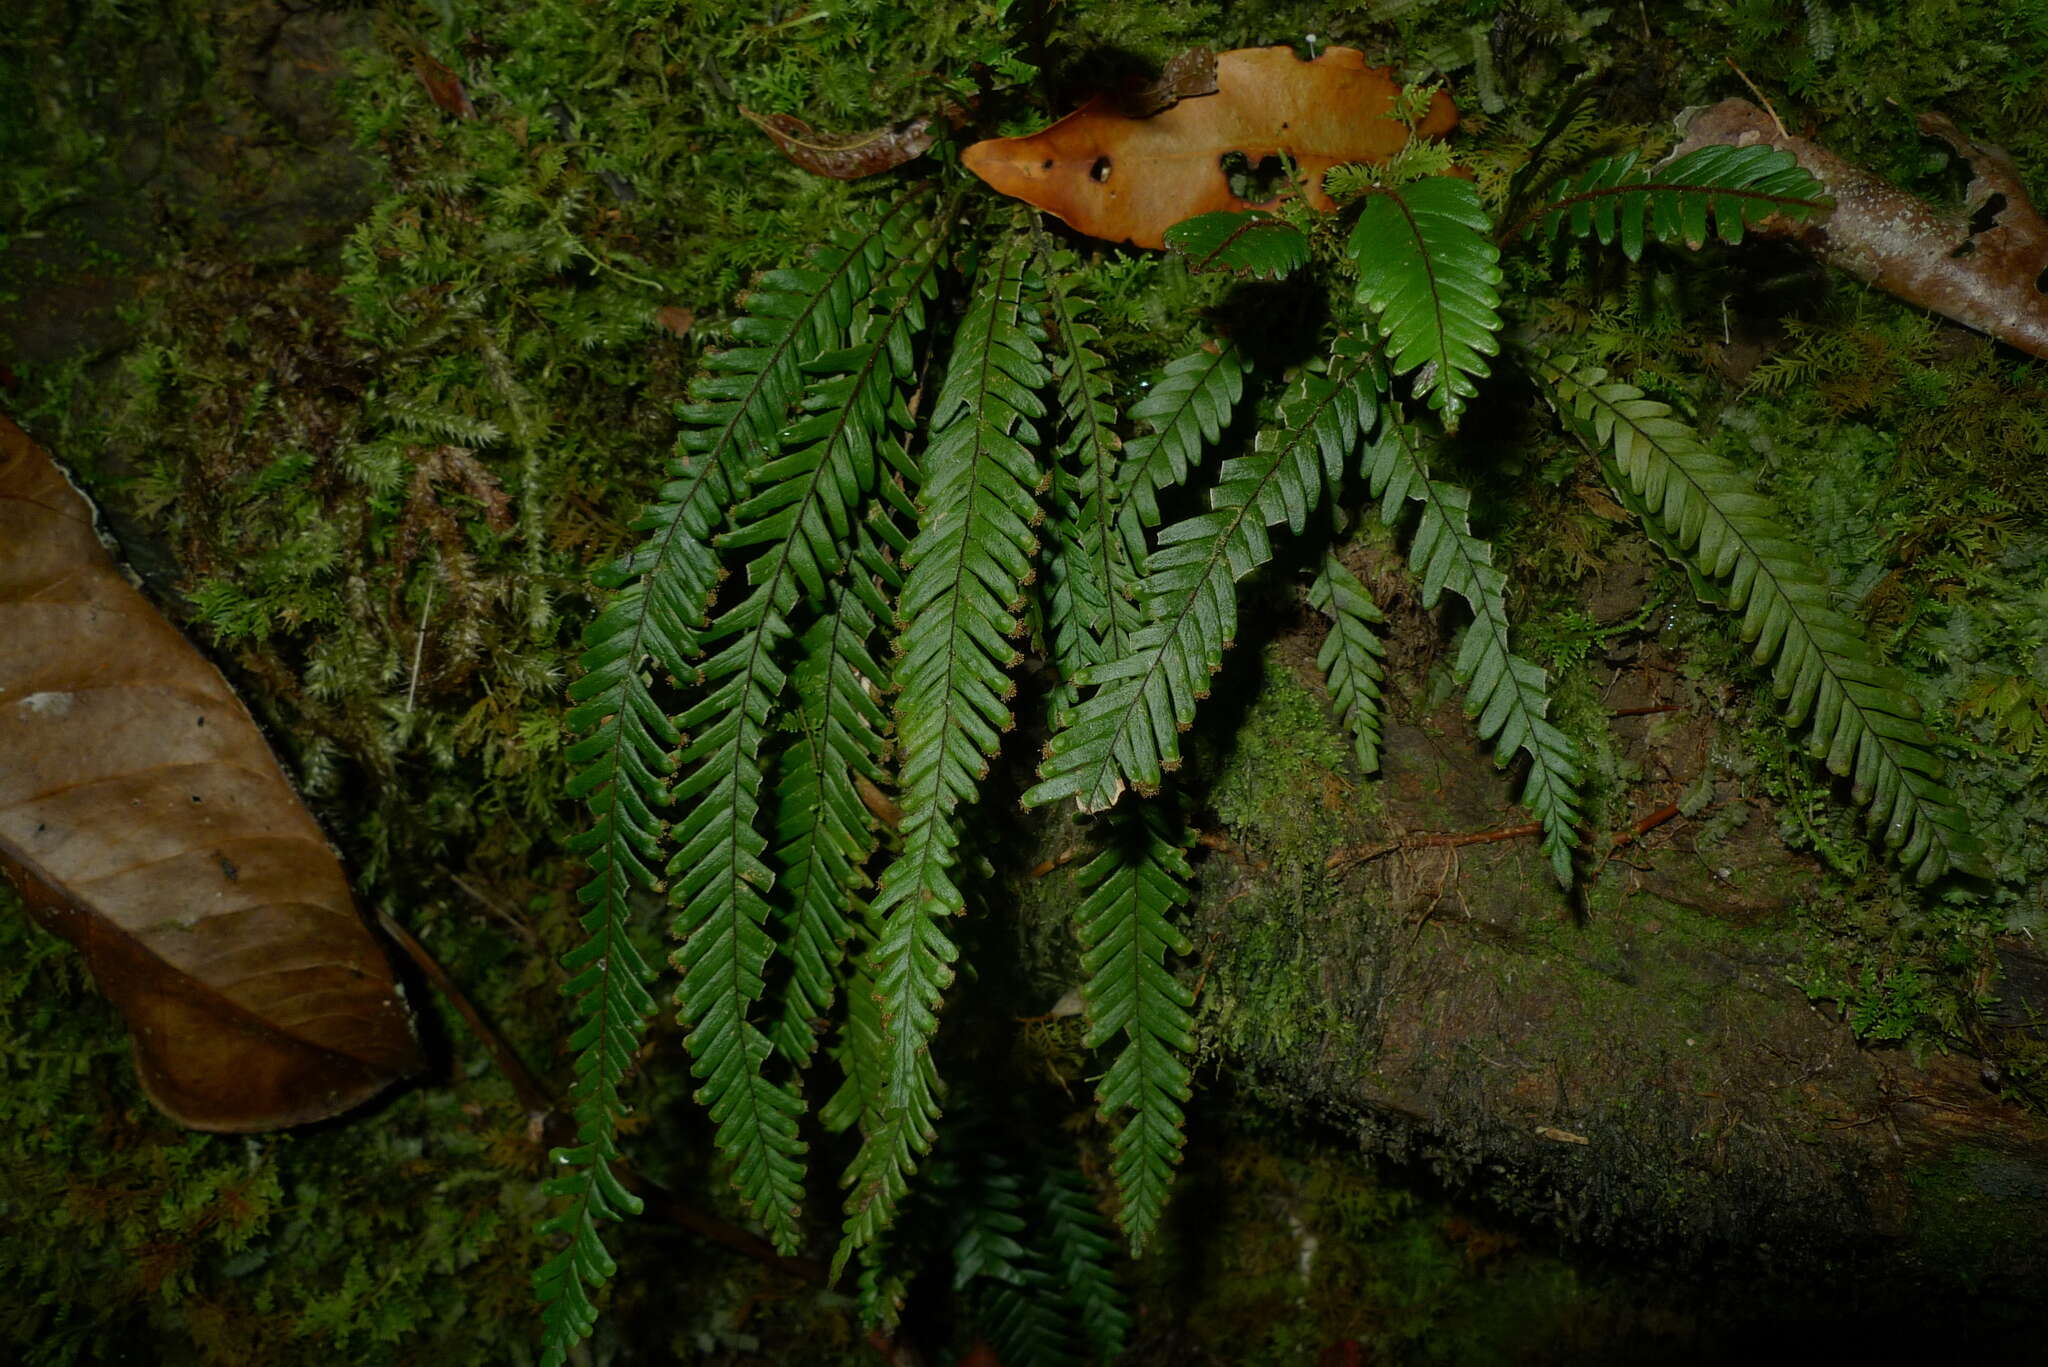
(1129, 894)
(1081, 1245)
(1250, 243)
(1862, 718)
(966, 574)
(659, 594)
(1430, 274)
(1027, 1324)
(801, 511)
(1507, 696)
(1734, 187)
(1187, 407)
(1090, 579)
(824, 831)
(858, 1051)
(1352, 659)
(1127, 731)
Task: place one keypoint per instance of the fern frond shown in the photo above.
(659, 594)
(1430, 274)
(1126, 732)
(823, 829)
(1090, 577)
(1081, 1246)
(1861, 717)
(1187, 407)
(1352, 659)
(1734, 187)
(1129, 894)
(1506, 695)
(1251, 242)
(966, 572)
(801, 511)
(1027, 1324)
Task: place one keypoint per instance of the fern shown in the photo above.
(1090, 573)
(1506, 696)
(659, 594)
(1352, 659)
(1129, 892)
(1187, 408)
(1734, 187)
(1429, 274)
(719, 883)
(824, 829)
(1126, 732)
(1862, 719)
(966, 572)
(1081, 1246)
(1252, 243)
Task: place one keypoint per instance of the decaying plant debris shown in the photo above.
(1984, 267)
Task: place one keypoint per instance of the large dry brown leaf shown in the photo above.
(145, 820)
(1129, 180)
(1986, 268)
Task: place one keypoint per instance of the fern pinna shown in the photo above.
(815, 652)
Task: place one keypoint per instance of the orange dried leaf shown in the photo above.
(443, 86)
(1126, 179)
(145, 820)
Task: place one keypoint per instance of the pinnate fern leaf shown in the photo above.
(1249, 243)
(964, 583)
(1507, 696)
(1090, 574)
(1081, 1246)
(1127, 731)
(1352, 659)
(1129, 894)
(824, 830)
(1862, 718)
(1430, 274)
(623, 764)
(719, 882)
(1733, 187)
(1187, 408)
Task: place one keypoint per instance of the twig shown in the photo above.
(532, 1093)
(419, 647)
(1452, 839)
(1761, 98)
(1648, 710)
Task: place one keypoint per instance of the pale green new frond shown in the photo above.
(1862, 718)
(660, 590)
(1507, 696)
(1430, 274)
(1187, 407)
(801, 514)
(1352, 659)
(1734, 188)
(965, 581)
(1127, 731)
(1130, 892)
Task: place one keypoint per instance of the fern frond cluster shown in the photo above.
(823, 633)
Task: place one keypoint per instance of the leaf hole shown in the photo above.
(1255, 184)
(1986, 217)
(2041, 282)
(1099, 172)
(1968, 245)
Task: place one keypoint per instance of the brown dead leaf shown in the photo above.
(1127, 179)
(1985, 268)
(1186, 76)
(845, 157)
(676, 319)
(144, 819)
(443, 86)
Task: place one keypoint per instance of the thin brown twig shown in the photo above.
(1346, 858)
